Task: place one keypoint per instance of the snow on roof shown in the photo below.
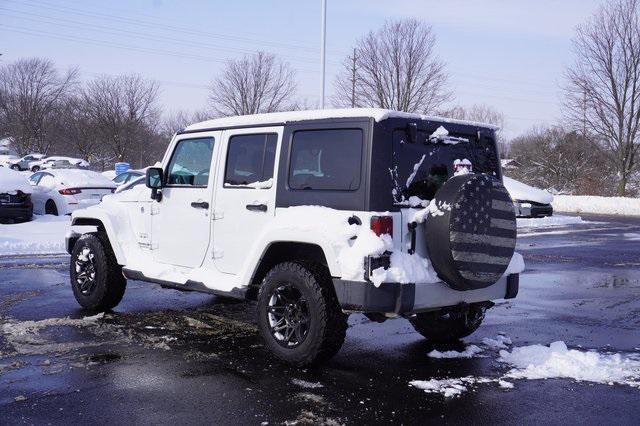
(284, 117)
(12, 181)
(80, 178)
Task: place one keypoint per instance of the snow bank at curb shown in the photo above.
(43, 235)
(623, 206)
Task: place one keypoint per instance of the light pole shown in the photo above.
(323, 45)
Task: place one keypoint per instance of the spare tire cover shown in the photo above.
(472, 237)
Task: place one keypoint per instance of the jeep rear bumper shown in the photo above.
(403, 299)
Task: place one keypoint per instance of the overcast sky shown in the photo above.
(507, 54)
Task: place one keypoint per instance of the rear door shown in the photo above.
(245, 193)
(181, 221)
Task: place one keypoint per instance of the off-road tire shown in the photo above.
(51, 208)
(15, 167)
(110, 284)
(449, 324)
(328, 324)
(35, 169)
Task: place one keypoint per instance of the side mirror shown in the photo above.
(154, 180)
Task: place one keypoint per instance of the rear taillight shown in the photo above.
(382, 225)
(70, 191)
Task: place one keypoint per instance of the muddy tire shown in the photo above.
(448, 325)
(96, 277)
(299, 317)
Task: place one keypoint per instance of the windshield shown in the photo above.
(422, 166)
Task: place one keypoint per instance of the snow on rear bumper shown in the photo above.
(403, 299)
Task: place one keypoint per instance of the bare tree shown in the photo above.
(31, 90)
(562, 161)
(482, 114)
(395, 67)
(124, 113)
(603, 89)
(254, 84)
(178, 120)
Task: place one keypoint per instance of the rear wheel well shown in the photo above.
(284, 251)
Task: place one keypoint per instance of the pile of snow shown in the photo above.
(441, 134)
(535, 362)
(523, 192)
(469, 352)
(449, 387)
(43, 235)
(11, 182)
(558, 361)
(624, 206)
(549, 221)
(265, 184)
(500, 342)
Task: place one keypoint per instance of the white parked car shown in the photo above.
(50, 163)
(6, 158)
(25, 162)
(298, 211)
(528, 200)
(62, 191)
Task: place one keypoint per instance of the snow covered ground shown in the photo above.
(43, 235)
(535, 362)
(549, 221)
(624, 206)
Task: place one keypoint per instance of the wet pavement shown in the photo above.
(172, 358)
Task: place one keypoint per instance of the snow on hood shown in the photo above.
(11, 182)
(81, 178)
(523, 192)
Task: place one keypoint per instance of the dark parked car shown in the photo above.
(15, 197)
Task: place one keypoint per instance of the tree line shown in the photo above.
(118, 118)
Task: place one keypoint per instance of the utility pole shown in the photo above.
(323, 45)
(354, 77)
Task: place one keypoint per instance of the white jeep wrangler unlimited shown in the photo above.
(314, 214)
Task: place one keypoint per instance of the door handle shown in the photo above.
(257, 207)
(200, 205)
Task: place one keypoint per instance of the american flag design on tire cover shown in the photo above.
(482, 231)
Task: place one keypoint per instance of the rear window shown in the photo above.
(422, 167)
(326, 159)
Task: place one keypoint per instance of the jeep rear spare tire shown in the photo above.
(299, 317)
(472, 237)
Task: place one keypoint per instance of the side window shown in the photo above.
(250, 160)
(121, 178)
(190, 163)
(326, 159)
(35, 178)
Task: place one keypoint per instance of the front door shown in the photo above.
(182, 219)
(246, 193)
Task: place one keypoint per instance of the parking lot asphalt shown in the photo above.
(167, 357)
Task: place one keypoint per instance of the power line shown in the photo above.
(159, 24)
(107, 30)
(161, 52)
